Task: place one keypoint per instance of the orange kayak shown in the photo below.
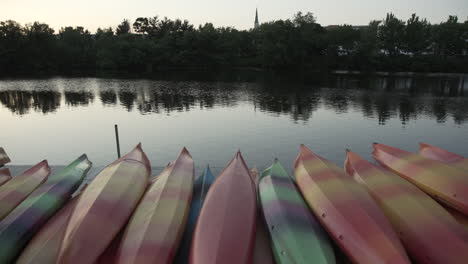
(20, 187)
(417, 218)
(154, 231)
(5, 176)
(441, 181)
(104, 207)
(435, 153)
(4, 159)
(347, 211)
(225, 230)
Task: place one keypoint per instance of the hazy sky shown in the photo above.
(238, 13)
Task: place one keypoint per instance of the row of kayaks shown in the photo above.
(412, 208)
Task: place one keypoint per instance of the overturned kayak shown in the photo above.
(104, 207)
(27, 218)
(417, 218)
(4, 159)
(5, 175)
(443, 182)
(45, 245)
(200, 188)
(154, 231)
(296, 235)
(17, 189)
(263, 253)
(228, 216)
(435, 153)
(347, 211)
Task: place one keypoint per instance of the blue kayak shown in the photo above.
(200, 189)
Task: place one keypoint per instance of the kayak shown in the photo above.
(104, 207)
(27, 218)
(263, 253)
(45, 245)
(4, 159)
(417, 218)
(461, 218)
(347, 211)
(225, 230)
(296, 235)
(444, 183)
(5, 176)
(17, 189)
(154, 231)
(110, 254)
(200, 188)
(435, 153)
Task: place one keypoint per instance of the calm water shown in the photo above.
(60, 118)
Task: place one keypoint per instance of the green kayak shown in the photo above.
(296, 235)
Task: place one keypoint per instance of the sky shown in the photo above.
(236, 13)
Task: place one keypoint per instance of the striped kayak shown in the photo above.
(443, 182)
(45, 245)
(347, 211)
(200, 188)
(229, 217)
(296, 235)
(154, 231)
(417, 218)
(17, 189)
(435, 153)
(104, 208)
(110, 254)
(25, 220)
(5, 175)
(263, 253)
(4, 159)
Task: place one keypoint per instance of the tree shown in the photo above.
(417, 35)
(391, 34)
(123, 28)
(449, 37)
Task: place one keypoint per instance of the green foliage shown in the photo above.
(297, 43)
(391, 34)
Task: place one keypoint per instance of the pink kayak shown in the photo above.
(435, 153)
(441, 181)
(104, 208)
(347, 211)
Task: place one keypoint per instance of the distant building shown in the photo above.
(256, 24)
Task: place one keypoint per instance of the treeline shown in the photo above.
(151, 44)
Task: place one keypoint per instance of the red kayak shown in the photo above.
(435, 153)
(225, 231)
(347, 211)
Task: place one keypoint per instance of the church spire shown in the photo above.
(256, 25)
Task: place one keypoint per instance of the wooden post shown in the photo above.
(117, 140)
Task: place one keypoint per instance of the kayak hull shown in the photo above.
(104, 207)
(296, 235)
(228, 216)
(5, 176)
(417, 218)
(444, 183)
(347, 211)
(435, 153)
(4, 159)
(154, 231)
(200, 188)
(27, 218)
(17, 189)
